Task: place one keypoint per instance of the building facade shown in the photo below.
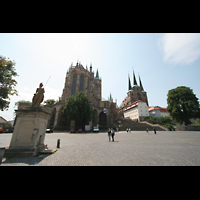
(158, 112)
(79, 79)
(138, 111)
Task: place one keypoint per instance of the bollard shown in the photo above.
(58, 143)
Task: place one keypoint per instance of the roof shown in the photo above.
(134, 105)
(136, 86)
(2, 120)
(103, 99)
(157, 108)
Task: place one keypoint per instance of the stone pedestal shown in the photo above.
(29, 132)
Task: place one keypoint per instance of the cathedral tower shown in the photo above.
(134, 93)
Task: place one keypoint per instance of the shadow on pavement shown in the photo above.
(27, 160)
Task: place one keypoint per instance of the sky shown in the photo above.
(164, 61)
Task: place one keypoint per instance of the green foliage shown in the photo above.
(7, 124)
(152, 119)
(164, 120)
(169, 126)
(198, 120)
(7, 83)
(50, 102)
(20, 101)
(78, 108)
(183, 104)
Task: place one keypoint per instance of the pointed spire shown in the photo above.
(111, 99)
(129, 83)
(134, 79)
(141, 84)
(97, 74)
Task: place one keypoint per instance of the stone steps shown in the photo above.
(139, 126)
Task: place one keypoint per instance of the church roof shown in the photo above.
(134, 105)
(103, 99)
(134, 79)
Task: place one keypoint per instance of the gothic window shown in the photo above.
(74, 84)
(81, 83)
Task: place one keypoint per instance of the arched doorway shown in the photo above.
(103, 120)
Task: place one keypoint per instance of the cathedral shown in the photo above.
(79, 79)
(134, 94)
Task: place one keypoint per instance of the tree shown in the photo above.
(78, 108)
(50, 102)
(20, 101)
(183, 104)
(151, 119)
(164, 120)
(7, 83)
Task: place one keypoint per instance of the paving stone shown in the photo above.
(166, 148)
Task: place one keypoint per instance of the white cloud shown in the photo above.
(180, 48)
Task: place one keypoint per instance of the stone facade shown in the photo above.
(134, 94)
(137, 111)
(79, 79)
(29, 132)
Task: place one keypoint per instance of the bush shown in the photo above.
(152, 120)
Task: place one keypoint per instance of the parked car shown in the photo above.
(49, 130)
(73, 131)
(96, 129)
(1, 130)
(80, 130)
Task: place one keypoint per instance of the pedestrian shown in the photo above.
(109, 132)
(112, 134)
(147, 130)
(154, 131)
(127, 130)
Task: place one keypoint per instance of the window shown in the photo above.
(81, 83)
(74, 84)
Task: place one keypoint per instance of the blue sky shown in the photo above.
(164, 61)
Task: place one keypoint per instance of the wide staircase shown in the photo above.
(139, 126)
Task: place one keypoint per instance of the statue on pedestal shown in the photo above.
(38, 96)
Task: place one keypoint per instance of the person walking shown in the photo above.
(112, 134)
(147, 130)
(109, 132)
(154, 131)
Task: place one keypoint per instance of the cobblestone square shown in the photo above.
(138, 148)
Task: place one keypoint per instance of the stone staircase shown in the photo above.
(139, 126)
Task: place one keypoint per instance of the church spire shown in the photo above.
(97, 74)
(141, 84)
(111, 99)
(129, 83)
(134, 79)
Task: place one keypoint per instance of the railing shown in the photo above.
(154, 125)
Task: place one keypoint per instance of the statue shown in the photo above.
(38, 96)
